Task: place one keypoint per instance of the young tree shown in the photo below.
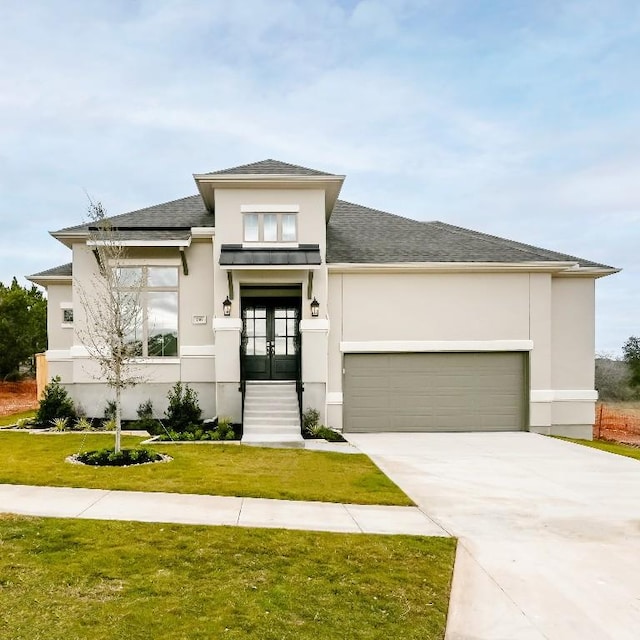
(112, 305)
(23, 325)
(631, 351)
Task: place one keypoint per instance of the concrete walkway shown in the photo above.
(214, 510)
(549, 531)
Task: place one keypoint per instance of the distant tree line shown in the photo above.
(23, 328)
(619, 379)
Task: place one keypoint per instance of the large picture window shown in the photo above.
(153, 292)
(270, 227)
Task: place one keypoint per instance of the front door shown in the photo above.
(270, 339)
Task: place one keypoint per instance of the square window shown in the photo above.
(67, 316)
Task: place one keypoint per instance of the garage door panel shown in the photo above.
(434, 392)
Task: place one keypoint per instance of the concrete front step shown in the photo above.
(268, 428)
(271, 415)
(274, 415)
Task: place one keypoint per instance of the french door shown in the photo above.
(270, 345)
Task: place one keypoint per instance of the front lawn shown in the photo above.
(612, 447)
(72, 579)
(224, 470)
(8, 421)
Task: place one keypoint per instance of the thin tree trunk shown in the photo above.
(118, 412)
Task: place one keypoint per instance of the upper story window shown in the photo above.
(151, 295)
(270, 227)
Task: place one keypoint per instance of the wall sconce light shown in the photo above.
(226, 307)
(315, 308)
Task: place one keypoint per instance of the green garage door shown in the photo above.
(434, 392)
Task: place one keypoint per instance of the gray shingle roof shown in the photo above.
(355, 234)
(270, 168)
(183, 213)
(127, 235)
(358, 234)
(62, 270)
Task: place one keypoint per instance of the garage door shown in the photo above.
(434, 392)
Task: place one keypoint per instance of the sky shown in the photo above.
(519, 119)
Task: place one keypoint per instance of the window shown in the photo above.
(270, 227)
(67, 316)
(149, 298)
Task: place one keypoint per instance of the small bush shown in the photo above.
(146, 421)
(55, 403)
(310, 419)
(330, 435)
(224, 430)
(82, 424)
(183, 411)
(60, 424)
(24, 423)
(110, 410)
(321, 432)
(109, 458)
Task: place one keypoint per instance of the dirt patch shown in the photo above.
(17, 396)
(618, 422)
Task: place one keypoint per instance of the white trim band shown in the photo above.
(139, 243)
(269, 208)
(227, 324)
(334, 397)
(563, 395)
(429, 346)
(198, 351)
(58, 355)
(321, 325)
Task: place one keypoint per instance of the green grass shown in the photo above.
(7, 421)
(226, 470)
(612, 447)
(75, 579)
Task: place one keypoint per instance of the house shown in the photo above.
(265, 281)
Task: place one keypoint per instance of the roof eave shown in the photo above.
(557, 267)
(45, 281)
(207, 183)
(67, 238)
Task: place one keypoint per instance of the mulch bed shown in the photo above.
(17, 396)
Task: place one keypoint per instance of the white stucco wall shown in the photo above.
(229, 230)
(554, 316)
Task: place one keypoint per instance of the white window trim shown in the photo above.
(270, 208)
(261, 242)
(66, 306)
(145, 290)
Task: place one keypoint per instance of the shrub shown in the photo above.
(320, 431)
(310, 419)
(110, 410)
(109, 458)
(55, 403)
(183, 411)
(24, 423)
(224, 430)
(146, 421)
(330, 435)
(82, 424)
(60, 424)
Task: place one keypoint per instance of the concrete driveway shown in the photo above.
(549, 531)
